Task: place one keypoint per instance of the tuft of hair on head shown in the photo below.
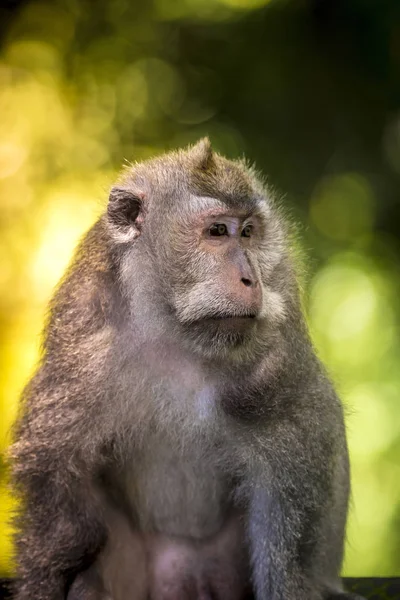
(209, 173)
(202, 155)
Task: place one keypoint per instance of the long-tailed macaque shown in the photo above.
(180, 439)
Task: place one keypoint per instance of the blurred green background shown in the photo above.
(309, 90)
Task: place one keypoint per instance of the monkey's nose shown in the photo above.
(247, 282)
(251, 292)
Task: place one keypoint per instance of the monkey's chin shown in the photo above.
(215, 336)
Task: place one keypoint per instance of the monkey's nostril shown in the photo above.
(246, 282)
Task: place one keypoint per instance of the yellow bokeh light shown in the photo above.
(212, 10)
(7, 506)
(245, 4)
(12, 158)
(351, 311)
(371, 509)
(371, 427)
(59, 235)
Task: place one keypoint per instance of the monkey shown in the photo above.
(180, 439)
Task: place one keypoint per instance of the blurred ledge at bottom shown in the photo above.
(372, 588)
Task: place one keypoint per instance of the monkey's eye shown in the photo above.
(218, 229)
(247, 231)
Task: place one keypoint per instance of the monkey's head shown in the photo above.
(210, 245)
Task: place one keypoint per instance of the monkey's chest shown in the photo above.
(179, 493)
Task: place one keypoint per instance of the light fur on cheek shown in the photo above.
(273, 307)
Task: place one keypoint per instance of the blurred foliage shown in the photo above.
(310, 90)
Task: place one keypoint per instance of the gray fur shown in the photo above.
(149, 424)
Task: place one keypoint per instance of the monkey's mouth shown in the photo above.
(231, 322)
(225, 322)
(230, 317)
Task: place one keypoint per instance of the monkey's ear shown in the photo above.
(125, 213)
(202, 154)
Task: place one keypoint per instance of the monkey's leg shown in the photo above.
(122, 564)
(59, 536)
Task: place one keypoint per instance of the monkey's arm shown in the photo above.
(297, 507)
(59, 432)
(60, 535)
(59, 526)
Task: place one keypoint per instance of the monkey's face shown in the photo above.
(216, 273)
